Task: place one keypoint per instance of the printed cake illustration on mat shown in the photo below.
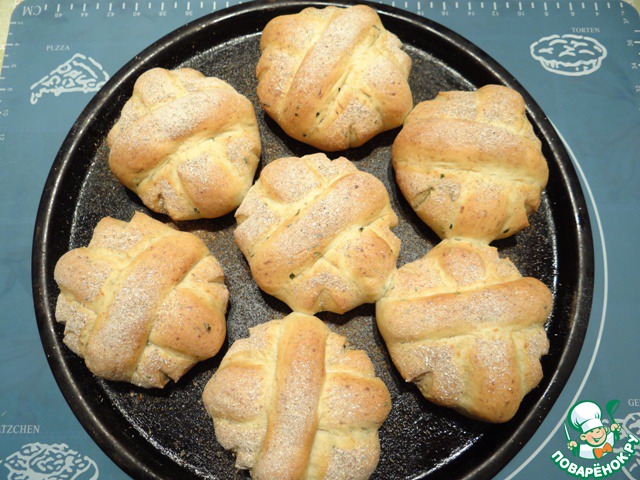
(569, 54)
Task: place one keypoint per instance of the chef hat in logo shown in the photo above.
(585, 416)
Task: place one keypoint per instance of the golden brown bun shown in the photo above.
(316, 234)
(187, 144)
(333, 78)
(470, 164)
(143, 302)
(294, 403)
(467, 328)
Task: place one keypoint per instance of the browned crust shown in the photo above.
(333, 77)
(292, 420)
(464, 326)
(294, 403)
(143, 302)
(187, 144)
(316, 234)
(470, 164)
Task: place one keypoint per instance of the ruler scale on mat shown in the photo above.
(421, 7)
(59, 53)
(67, 28)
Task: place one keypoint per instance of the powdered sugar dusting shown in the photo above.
(177, 117)
(458, 338)
(307, 379)
(111, 328)
(297, 235)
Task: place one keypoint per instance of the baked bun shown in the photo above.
(316, 234)
(142, 303)
(294, 403)
(187, 144)
(467, 329)
(470, 164)
(333, 78)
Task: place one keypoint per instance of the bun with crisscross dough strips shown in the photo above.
(333, 78)
(317, 234)
(142, 302)
(467, 329)
(470, 164)
(294, 403)
(187, 144)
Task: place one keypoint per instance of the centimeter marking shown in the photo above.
(196, 8)
(421, 7)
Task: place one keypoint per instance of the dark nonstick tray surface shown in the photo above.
(167, 433)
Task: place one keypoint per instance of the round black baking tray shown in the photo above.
(166, 434)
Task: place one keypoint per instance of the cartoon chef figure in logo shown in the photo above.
(596, 439)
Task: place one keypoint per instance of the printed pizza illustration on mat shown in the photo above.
(78, 74)
(569, 54)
